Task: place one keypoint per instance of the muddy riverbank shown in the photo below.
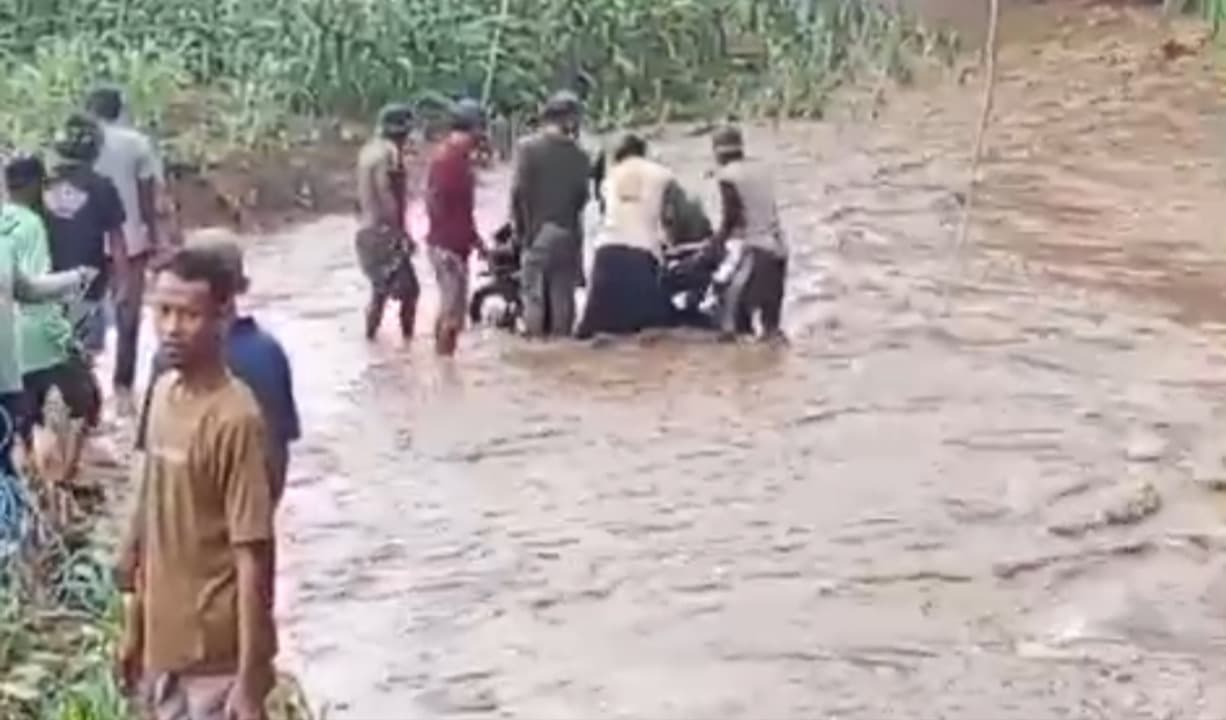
(989, 502)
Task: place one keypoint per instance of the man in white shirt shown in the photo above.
(128, 160)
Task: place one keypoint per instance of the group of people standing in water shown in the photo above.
(653, 241)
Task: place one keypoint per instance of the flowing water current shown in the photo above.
(977, 484)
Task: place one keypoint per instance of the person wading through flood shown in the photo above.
(199, 637)
(127, 158)
(48, 349)
(21, 227)
(548, 194)
(755, 267)
(451, 186)
(642, 197)
(384, 247)
(85, 220)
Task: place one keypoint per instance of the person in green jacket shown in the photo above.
(48, 356)
(17, 225)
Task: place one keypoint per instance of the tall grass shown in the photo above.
(236, 71)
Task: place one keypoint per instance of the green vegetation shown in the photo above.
(58, 616)
(235, 74)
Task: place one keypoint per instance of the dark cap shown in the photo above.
(396, 119)
(23, 171)
(562, 105)
(79, 139)
(728, 139)
(467, 115)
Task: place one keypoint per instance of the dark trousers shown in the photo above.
(129, 301)
(386, 264)
(551, 273)
(756, 289)
(11, 405)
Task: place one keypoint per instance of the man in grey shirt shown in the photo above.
(128, 160)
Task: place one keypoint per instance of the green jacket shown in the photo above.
(44, 332)
(15, 286)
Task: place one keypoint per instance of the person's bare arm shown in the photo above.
(243, 462)
(146, 195)
(732, 215)
(45, 288)
(384, 193)
(256, 630)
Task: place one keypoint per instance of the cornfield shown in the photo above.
(238, 73)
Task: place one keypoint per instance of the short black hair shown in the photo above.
(24, 171)
(630, 145)
(204, 264)
(105, 101)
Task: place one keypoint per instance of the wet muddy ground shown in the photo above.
(980, 499)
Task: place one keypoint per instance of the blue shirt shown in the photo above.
(256, 358)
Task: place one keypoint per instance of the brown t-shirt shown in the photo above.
(205, 489)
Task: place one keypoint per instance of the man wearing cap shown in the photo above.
(451, 185)
(126, 157)
(755, 265)
(548, 194)
(85, 220)
(383, 243)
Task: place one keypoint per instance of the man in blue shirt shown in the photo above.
(258, 359)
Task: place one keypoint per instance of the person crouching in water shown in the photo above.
(752, 276)
(548, 195)
(383, 244)
(451, 186)
(626, 294)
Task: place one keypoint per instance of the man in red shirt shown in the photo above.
(451, 185)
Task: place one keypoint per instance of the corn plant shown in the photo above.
(227, 74)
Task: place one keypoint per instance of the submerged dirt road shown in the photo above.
(995, 512)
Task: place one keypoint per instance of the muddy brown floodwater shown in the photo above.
(996, 512)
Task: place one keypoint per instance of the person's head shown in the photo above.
(231, 255)
(105, 102)
(728, 145)
(193, 301)
(467, 117)
(24, 177)
(396, 122)
(631, 145)
(80, 139)
(563, 111)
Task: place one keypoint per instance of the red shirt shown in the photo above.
(451, 188)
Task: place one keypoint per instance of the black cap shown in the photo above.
(80, 139)
(728, 139)
(24, 170)
(467, 115)
(396, 119)
(562, 105)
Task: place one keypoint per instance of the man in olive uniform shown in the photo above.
(383, 243)
(548, 195)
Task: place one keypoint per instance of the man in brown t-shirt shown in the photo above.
(199, 633)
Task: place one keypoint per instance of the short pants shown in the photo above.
(385, 262)
(92, 327)
(75, 381)
(179, 697)
(451, 272)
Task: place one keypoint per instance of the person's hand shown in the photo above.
(85, 276)
(247, 697)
